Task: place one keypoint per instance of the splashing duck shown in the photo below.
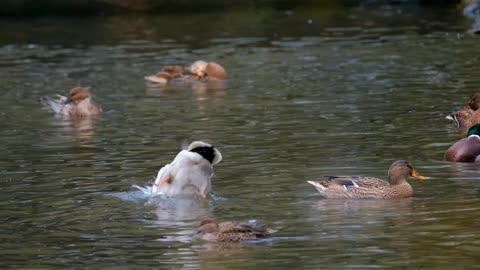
(77, 103)
(189, 173)
(351, 187)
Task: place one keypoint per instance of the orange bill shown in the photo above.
(418, 176)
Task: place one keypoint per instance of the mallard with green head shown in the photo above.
(466, 149)
(360, 187)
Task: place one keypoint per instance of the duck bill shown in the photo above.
(418, 176)
(67, 101)
(195, 233)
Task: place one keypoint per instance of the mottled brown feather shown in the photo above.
(358, 187)
(469, 115)
(179, 74)
(211, 230)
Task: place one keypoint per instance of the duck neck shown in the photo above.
(394, 179)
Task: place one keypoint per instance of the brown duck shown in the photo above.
(357, 187)
(210, 230)
(77, 103)
(467, 149)
(467, 116)
(197, 71)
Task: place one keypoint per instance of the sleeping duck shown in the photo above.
(199, 71)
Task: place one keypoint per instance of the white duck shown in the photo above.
(189, 173)
(77, 103)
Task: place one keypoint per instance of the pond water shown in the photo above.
(311, 92)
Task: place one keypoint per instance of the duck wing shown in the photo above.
(353, 181)
(234, 231)
(55, 103)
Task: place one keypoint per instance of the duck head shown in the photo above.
(207, 151)
(400, 170)
(208, 225)
(78, 94)
(211, 70)
(198, 68)
(474, 101)
(474, 130)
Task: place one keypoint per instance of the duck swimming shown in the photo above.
(466, 149)
(210, 230)
(189, 173)
(469, 115)
(199, 71)
(358, 187)
(77, 103)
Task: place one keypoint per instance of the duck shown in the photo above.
(230, 231)
(466, 149)
(189, 173)
(472, 11)
(198, 71)
(77, 103)
(359, 187)
(467, 116)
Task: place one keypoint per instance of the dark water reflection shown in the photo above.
(346, 94)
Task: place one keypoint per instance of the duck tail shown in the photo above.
(319, 186)
(270, 231)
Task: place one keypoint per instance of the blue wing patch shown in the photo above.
(350, 185)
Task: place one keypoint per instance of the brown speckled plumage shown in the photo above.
(77, 103)
(469, 115)
(198, 71)
(357, 187)
(211, 230)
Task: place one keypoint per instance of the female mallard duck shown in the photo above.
(189, 173)
(467, 116)
(358, 187)
(210, 230)
(77, 103)
(467, 149)
(198, 71)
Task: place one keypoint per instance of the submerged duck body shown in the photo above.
(189, 173)
(77, 103)
(211, 230)
(357, 187)
(199, 71)
(466, 149)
